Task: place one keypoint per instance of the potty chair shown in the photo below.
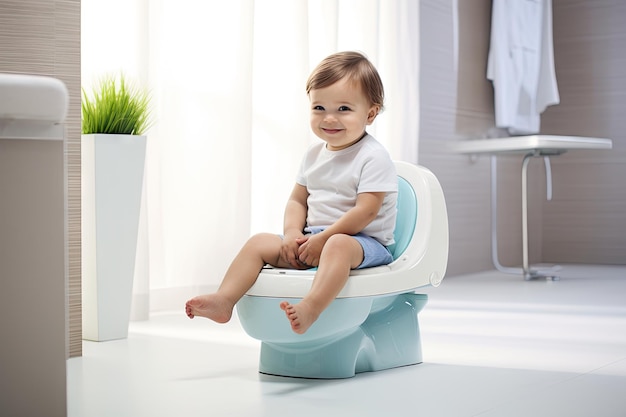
(372, 325)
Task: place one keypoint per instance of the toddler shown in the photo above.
(341, 213)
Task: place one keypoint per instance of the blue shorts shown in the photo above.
(374, 252)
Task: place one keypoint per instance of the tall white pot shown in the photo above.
(111, 186)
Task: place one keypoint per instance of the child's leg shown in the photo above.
(340, 254)
(259, 250)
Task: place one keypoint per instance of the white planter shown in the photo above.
(111, 186)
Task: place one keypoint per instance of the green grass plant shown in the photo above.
(115, 107)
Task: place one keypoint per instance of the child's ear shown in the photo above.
(372, 114)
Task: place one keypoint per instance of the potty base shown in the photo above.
(389, 338)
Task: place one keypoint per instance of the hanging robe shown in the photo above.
(521, 63)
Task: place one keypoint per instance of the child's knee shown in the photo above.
(340, 242)
(264, 241)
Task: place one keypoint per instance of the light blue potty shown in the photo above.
(372, 325)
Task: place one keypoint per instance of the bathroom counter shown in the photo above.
(531, 146)
(32, 245)
(543, 144)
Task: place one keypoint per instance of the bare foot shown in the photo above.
(211, 306)
(301, 316)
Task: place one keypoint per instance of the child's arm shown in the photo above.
(294, 221)
(352, 222)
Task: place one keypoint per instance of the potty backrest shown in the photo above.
(406, 218)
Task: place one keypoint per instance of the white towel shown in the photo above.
(521, 63)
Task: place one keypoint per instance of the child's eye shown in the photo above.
(344, 108)
(320, 108)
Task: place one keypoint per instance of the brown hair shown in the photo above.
(353, 65)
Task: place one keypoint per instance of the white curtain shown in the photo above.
(231, 115)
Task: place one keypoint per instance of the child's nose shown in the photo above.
(330, 117)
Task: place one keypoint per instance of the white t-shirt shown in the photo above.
(334, 178)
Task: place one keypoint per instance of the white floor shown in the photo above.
(494, 345)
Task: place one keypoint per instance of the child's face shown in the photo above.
(339, 114)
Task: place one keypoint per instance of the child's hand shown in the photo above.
(289, 251)
(310, 249)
